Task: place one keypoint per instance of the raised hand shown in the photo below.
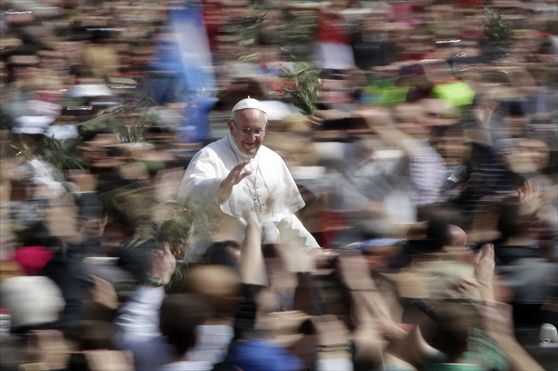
(484, 272)
(355, 273)
(104, 293)
(50, 348)
(235, 176)
(109, 360)
(163, 264)
(252, 220)
(531, 199)
(252, 266)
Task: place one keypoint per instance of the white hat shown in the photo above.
(31, 300)
(89, 90)
(249, 103)
(62, 132)
(32, 124)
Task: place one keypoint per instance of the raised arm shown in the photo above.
(138, 319)
(252, 266)
(207, 179)
(235, 176)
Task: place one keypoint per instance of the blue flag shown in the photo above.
(184, 59)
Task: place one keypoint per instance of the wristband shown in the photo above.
(153, 282)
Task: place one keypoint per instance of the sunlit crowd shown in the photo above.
(278, 185)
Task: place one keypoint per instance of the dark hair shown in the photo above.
(510, 221)
(218, 285)
(218, 254)
(91, 334)
(438, 220)
(179, 316)
(13, 353)
(134, 256)
(453, 323)
(270, 250)
(437, 233)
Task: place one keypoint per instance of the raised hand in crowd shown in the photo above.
(162, 266)
(484, 272)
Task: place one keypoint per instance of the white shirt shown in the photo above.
(187, 366)
(269, 191)
(138, 331)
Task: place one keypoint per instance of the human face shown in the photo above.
(247, 127)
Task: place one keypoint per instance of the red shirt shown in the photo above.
(331, 29)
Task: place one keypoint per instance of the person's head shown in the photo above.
(453, 143)
(226, 253)
(91, 216)
(22, 67)
(457, 236)
(32, 301)
(511, 222)
(438, 233)
(454, 322)
(179, 316)
(525, 155)
(247, 125)
(91, 334)
(218, 285)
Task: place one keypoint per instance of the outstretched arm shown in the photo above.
(138, 319)
(252, 266)
(497, 317)
(484, 272)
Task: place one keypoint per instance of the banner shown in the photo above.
(185, 71)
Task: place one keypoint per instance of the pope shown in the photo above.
(236, 175)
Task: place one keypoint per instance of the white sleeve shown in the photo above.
(138, 329)
(291, 230)
(139, 317)
(201, 180)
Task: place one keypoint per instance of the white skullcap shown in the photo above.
(249, 103)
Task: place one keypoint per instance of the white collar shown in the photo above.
(240, 156)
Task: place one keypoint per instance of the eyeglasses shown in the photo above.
(249, 131)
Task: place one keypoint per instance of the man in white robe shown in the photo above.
(237, 175)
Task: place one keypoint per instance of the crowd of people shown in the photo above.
(278, 185)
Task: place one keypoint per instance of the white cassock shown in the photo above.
(269, 191)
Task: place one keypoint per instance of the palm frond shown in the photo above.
(62, 154)
(135, 202)
(129, 121)
(248, 33)
(177, 224)
(496, 28)
(306, 79)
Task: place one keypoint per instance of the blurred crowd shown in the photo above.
(422, 136)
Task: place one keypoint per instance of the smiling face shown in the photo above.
(247, 127)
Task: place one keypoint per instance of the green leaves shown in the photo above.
(248, 35)
(496, 29)
(306, 81)
(129, 121)
(178, 224)
(62, 154)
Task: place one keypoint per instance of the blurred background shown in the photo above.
(416, 131)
